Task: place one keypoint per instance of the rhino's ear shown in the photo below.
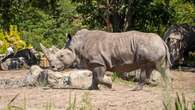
(69, 37)
(68, 41)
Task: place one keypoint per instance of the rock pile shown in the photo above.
(67, 79)
(74, 78)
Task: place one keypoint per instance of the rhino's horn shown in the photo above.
(44, 49)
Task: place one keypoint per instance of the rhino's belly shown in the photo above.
(123, 68)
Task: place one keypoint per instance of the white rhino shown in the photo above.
(101, 51)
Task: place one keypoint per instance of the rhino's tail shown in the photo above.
(168, 60)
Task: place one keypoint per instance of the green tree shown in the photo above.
(45, 21)
(144, 15)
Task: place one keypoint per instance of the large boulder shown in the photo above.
(72, 78)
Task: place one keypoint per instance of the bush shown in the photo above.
(12, 36)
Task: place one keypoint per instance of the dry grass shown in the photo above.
(72, 105)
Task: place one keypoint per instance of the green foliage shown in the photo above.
(49, 28)
(48, 21)
(155, 16)
(45, 21)
(184, 11)
(193, 106)
(4, 43)
(116, 75)
(12, 36)
(123, 15)
(180, 103)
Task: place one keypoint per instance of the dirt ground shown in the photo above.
(119, 98)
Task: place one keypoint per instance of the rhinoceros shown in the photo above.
(101, 51)
(180, 38)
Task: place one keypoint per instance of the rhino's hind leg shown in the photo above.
(144, 77)
(98, 77)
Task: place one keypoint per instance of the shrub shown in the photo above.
(12, 36)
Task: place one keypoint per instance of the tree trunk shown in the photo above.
(117, 22)
(130, 13)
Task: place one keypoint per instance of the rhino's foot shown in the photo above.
(102, 86)
(93, 88)
(153, 83)
(138, 87)
(109, 86)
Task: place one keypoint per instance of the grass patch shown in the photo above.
(178, 103)
(49, 106)
(13, 107)
(117, 78)
(193, 88)
(193, 106)
(84, 104)
(72, 104)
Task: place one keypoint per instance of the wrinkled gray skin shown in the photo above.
(101, 51)
(180, 39)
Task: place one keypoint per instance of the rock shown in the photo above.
(108, 73)
(5, 65)
(108, 79)
(10, 83)
(80, 78)
(12, 63)
(155, 77)
(30, 80)
(74, 78)
(67, 79)
(35, 70)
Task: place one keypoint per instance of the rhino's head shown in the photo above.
(59, 59)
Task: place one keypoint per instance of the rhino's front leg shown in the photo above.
(98, 77)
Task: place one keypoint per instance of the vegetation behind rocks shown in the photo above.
(48, 21)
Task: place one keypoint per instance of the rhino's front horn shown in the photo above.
(44, 49)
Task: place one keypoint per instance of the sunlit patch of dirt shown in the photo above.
(119, 98)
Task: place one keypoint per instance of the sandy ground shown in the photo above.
(119, 98)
